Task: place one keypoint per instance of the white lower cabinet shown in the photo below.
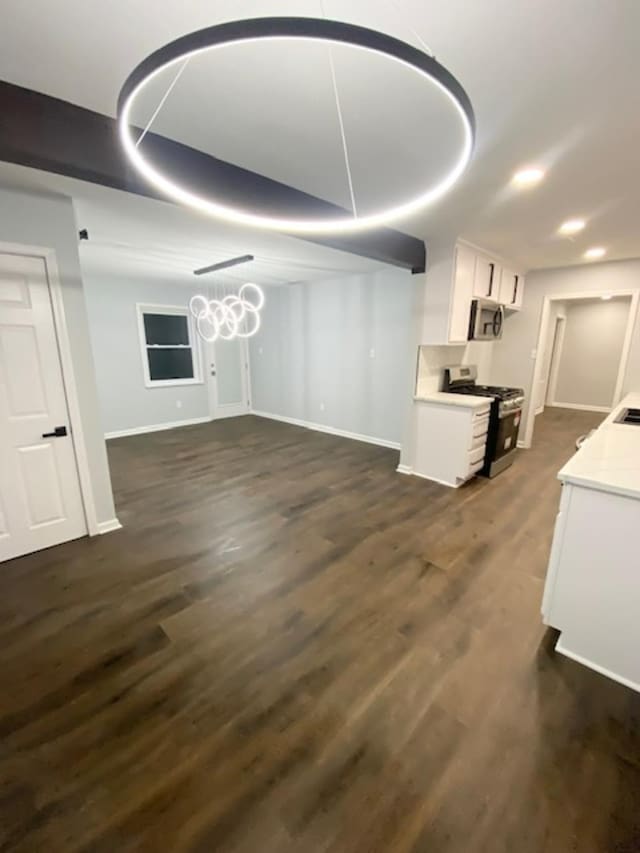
(592, 589)
(451, 440)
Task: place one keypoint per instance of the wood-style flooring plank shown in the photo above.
(290, 647)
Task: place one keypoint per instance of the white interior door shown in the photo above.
(40, 497)
(228, 365)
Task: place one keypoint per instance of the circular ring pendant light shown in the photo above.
(233, 316)
(315, 29)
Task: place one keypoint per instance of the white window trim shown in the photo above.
(143, 308)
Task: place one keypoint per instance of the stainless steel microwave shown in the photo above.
(485, 321)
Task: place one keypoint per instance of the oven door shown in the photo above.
(486, 320)
(506, 441)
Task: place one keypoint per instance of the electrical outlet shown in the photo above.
(260, 350)
(372, 353)
(322, 407)
(178, 404)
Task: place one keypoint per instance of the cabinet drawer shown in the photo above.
(480, 426)
(473, 469)
(477, 454)
(482, 413)
(478, 441)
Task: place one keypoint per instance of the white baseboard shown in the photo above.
(122, 433)
(407, 469)
(108, 526)
(343, 433)
(604, 409)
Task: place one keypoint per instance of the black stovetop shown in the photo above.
(501, 393)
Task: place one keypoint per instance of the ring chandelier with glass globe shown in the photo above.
(178, 53)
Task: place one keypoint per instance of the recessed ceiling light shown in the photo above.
(605, 297)
(528, 177)
(571, 226)
(596, 252)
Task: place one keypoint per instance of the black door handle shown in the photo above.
(58, 432)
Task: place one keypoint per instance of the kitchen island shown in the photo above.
(592, 590)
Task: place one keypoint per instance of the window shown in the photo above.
(169, 355)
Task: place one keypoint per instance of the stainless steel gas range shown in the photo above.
(505, 418)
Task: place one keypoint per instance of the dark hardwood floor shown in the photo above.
(290, 647)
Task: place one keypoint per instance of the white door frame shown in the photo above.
(543, 333)
(554, 365)
(555, 340)
(48, 256)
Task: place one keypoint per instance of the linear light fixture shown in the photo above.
(177, 53)
(223, 265)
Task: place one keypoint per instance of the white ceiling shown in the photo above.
(130, 235)
(552, 83)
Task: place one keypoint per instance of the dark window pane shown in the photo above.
(166, 329)
(170, 364)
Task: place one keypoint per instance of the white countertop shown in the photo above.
(610, 460)
(466, 401)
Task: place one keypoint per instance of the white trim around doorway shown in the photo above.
(543, 331)
(48, 255)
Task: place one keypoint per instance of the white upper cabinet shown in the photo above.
(511, 289)
(458, 273)
(486, 282)
(463, 280)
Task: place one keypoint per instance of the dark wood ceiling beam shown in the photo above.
(46, 133)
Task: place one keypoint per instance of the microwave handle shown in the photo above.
(498, 319)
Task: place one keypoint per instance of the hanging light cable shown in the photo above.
(431, 72)
(343, 135)
(413, 30)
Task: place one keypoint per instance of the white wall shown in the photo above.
(590, 357)
(125, 401)
(49, 222)
(433, 359)
(512, 357)
(337, 353)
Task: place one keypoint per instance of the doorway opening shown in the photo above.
(582, 353)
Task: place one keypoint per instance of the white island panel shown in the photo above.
(595, 601)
